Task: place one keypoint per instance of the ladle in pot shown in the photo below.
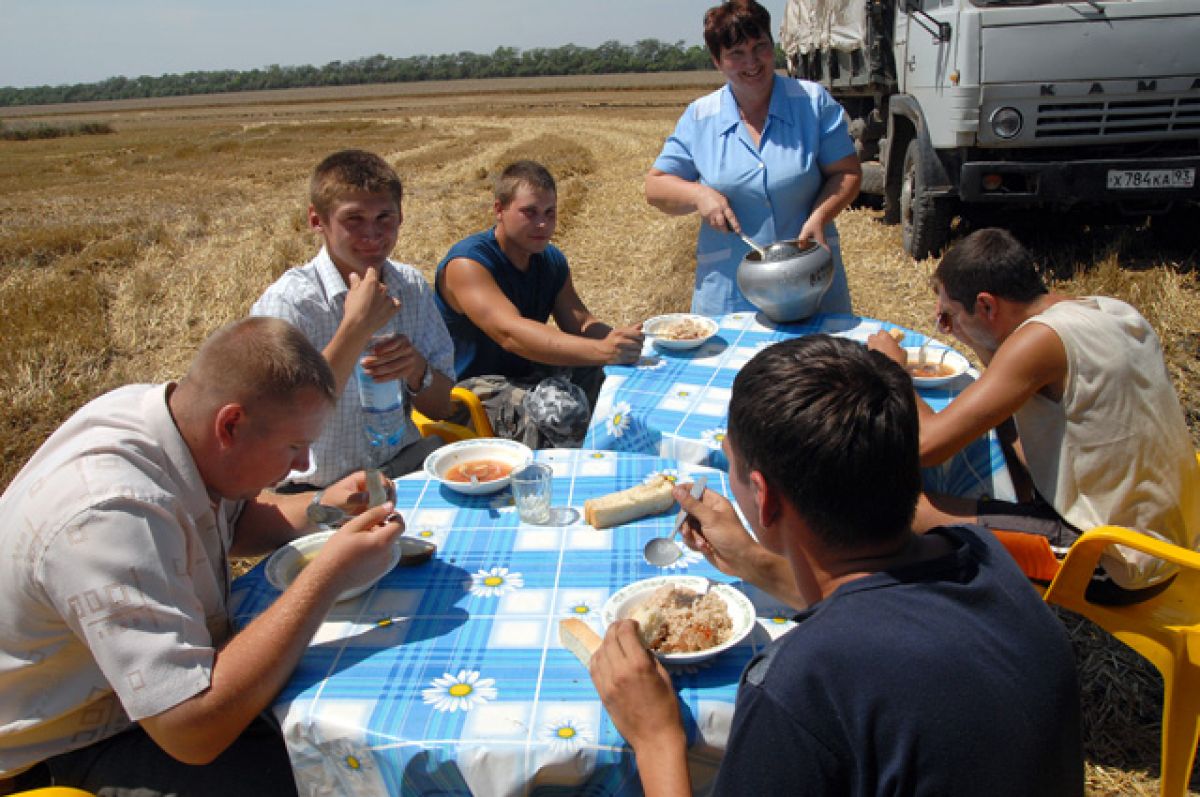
(762, 252)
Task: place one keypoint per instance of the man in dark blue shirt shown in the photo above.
(496, 291)
(920, 664)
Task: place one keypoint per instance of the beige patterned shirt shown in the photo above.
(113, 579)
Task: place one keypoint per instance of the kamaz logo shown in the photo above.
(1048, 89)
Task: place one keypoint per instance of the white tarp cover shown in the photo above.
(823, 25)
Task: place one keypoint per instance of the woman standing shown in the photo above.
(766, 155)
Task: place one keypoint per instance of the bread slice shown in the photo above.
(579, 638)
(897, 334)
(621, 507)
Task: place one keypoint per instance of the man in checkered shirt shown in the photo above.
(355, 304)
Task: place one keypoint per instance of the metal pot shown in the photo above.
(790, 282)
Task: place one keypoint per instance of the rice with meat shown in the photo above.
(676, 619)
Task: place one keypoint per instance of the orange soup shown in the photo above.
(485, 470)
(930, 370)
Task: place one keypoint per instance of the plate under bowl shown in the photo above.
(741, 611)
(286, 563)
(651, 325)
(509, 451)
(933, 353)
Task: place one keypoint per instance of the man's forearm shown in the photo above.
(544, 344)
(663, 770)
(247, 674)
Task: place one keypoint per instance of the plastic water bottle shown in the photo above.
(379, 400)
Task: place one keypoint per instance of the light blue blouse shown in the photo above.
(771, 188)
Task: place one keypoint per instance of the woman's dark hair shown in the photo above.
(734, 22)
(989, 260)
(834, 427)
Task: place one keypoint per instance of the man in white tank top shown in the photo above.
(1101, 437)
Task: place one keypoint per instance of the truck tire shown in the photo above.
(925, 220)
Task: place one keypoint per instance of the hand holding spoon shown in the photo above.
(664, 551)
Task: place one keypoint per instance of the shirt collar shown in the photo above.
(779, 108)
(327, 272)
(178, 455)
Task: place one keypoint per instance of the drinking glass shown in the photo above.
(531, 487)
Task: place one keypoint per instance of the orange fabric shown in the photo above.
(1032, 553)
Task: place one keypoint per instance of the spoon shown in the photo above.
(663, 551)
(750, 242)
(762, 252)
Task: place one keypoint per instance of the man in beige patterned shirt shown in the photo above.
(118, 669)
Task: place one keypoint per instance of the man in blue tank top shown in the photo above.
(496, 291)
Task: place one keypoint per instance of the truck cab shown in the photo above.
(968, 107)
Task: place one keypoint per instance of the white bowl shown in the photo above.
(741, 611)
(651, 326)
(509, 452)
(286, 563)
(934, 354)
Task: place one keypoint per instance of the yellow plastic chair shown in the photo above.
(453, 432)
(54, 791)
(1164, 629)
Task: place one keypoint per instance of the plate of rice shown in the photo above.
(683, 619)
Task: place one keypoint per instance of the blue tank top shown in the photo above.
(532, 292)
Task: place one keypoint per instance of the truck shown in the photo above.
(978, 109)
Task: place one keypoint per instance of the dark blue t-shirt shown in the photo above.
(948, 677)
(532, 292)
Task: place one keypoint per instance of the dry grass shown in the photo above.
(120, 253)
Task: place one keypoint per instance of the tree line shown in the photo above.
(648, 55)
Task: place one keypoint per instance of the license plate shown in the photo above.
(1125, 179)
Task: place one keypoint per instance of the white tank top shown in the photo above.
(1116, 449)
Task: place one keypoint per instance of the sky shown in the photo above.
(55, 42)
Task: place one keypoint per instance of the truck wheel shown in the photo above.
(925, 220)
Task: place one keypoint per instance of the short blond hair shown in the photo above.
(348, 171)
(525, 172)
(260, 361)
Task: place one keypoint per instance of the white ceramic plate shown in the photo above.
(933, 354)
(286, 563)
(651, 326)
(508, 451)
(741, 611)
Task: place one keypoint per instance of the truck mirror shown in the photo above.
(940, 31)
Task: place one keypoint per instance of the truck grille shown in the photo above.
(1124, 119)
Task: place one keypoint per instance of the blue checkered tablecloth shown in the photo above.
(448, 678)
(675, 403)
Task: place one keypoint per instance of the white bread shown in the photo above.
(897, 334)
(621, 507)
(579, 638)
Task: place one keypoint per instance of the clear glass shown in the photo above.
(531, 487)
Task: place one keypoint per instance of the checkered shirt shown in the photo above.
(313, 297)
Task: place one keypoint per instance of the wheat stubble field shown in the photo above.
(119, 253)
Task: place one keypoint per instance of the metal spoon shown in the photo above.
(663, 551)
(750, 242)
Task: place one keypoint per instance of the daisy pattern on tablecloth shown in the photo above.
(460, 692)
(713, 437)
(351, 759)
(566, 734)
(670, 474)
(580, 608)
(497, 581)
(618, 421)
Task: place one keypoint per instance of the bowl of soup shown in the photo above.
(477, 467)
(286, 562)
(941, 366)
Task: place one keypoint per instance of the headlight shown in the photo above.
(1006, 122)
